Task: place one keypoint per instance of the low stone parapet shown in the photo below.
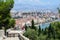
(22, 37)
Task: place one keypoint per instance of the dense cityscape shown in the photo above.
(38, 17)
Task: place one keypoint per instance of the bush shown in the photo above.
(31, 34)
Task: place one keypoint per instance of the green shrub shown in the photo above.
(31, 34)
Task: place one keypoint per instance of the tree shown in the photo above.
(54, 30)
(25, 27)
(49, 31)
(5, 19)
(32, 25)
(11, 23)
(31, 34)
(32, 22)
(58, 11)
(56, 27)
(39, 30)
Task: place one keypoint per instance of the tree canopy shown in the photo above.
(50, 33)
(5, 18)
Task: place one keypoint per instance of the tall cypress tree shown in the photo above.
(39, 30)
(51, 31)
(25, 27)
(59, 12)
(32, 24)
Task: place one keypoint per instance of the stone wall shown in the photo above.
(22, 37)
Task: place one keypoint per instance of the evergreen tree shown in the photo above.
(5, 18)
(32, 25)
(45, 31)
(39, 30)
(49, 31)
(59, 12)
(25, 27)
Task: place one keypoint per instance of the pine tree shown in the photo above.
(5, 18)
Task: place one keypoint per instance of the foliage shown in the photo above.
(5, 19)
(31, 34)
(50, 33)
(39, 30)
(32, 25)
(56, 26)
(58, 10)
(25, 27)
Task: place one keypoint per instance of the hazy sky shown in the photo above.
(24, 5)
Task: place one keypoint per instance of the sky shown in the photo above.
(29, 5)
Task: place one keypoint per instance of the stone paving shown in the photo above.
(12, 38)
